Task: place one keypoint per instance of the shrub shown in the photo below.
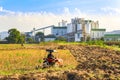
(110, 43)
(96, 42)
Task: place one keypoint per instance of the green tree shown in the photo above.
(30, 40)
(102, 38)
(22, 39)
(39, 35)
(88, 38)
(15, 36)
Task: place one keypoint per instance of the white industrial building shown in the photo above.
(58, 31)
(80, 29)
(54, 31)
(97, 33)
(49, 38)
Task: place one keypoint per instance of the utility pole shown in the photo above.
(34, 34)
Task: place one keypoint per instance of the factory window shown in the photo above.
(57, 34)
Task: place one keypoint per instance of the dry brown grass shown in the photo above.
(21, 60)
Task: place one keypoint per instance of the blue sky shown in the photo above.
(56, 5)
(37, 13)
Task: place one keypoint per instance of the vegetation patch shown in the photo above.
(25, 60)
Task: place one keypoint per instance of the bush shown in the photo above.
(3, 42)
(110, 43)
(60, 38)
(96, 42)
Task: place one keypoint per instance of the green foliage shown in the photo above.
(60, 38)
(110, 43)
(39, 35)
(102, 39)
(40, 60)
(29, 40)
(15, 36)
(88, 38)
(22, 39)
(119, 46)
(96, 42)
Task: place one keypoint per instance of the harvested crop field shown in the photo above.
(93, 63)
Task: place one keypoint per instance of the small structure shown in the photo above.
(28, 34)
(112, 37)
(97, 33)
(49, 38)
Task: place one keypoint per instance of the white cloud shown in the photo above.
(27, 21)
(110, 10)
(1, 9)
(6, 11)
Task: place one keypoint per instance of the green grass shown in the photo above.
(52, 43)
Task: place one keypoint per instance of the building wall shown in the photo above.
(78, 37)
(59, 31)
(97, 34)
(88, 28)
(49, 39)
(111, 38)
(95, 25)
(80, 26)
(69, 28)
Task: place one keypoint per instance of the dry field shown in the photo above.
(15, 59)
(93, 63)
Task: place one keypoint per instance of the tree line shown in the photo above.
(16, 37)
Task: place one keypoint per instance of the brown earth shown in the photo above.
(94, 63)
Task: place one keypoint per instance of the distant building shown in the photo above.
(3, 35)
(80, 29)
(49, 38)
(56, 31)
(28, 34)
(63, 23)
(51, 31)
(97, 33)
(112, 36)
(59, 31)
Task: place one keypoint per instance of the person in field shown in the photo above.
(50, 56)
(51, 60)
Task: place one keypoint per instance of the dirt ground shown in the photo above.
(94, 63)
